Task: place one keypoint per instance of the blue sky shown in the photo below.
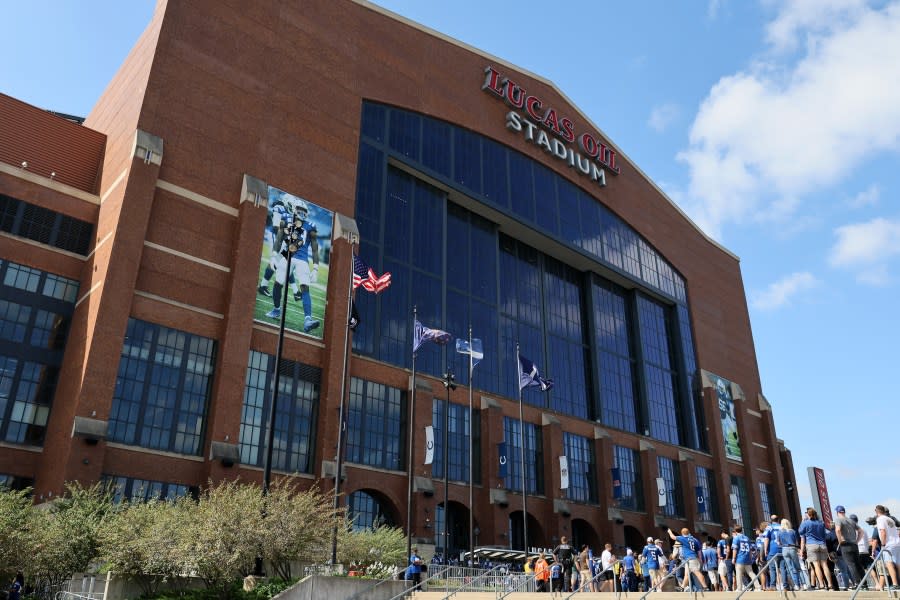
(774, 124)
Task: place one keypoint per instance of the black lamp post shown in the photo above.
(292, 237)
(449, 384)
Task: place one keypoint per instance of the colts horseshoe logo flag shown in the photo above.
(429, 445)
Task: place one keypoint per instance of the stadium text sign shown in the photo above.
(592, 155)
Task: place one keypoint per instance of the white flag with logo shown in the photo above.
(429, 445)
(735, 508)
(563, 473)
(661, 489)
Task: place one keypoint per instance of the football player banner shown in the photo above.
(727, 416)
(297, 228)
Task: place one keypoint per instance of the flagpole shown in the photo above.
(409, 456)
(522, 454)
(340, 441)
(448, 383)
(471, 457)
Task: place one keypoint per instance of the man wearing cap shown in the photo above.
(651, 554)
(847, 533)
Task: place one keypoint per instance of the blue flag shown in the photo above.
(476, 350)
(422, 334)
(529, 376)
(501, 451)
(701, 501)
(616, 483)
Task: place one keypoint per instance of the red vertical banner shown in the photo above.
(820, 494)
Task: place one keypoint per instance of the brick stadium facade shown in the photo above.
(131, 263)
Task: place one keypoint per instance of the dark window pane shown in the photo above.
(162, 388)
(405, 133)
(373, 121)
(496, 185)
(467, 160)
(436, 146)
(376, 425)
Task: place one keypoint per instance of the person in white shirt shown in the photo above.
(862, 544)
(607, 559)
(890, 541)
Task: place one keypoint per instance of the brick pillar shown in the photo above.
(88, 374)
(224, 416)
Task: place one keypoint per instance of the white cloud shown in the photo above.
(662, 116)
(766, 137)
(780, 293)
(809, 16)
(867, 248)
(867, 197)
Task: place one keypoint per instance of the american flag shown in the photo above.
(364, 276)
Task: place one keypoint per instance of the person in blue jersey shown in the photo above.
(690, 552)
(557, 574)
(789, 542)
(813, 547)
(652, 555)
(760, 554)
(710, 562)
(298, 237)
(742, 550)
(414, 570)
(726, 567)
(773, 550)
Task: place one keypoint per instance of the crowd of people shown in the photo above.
(774, 556)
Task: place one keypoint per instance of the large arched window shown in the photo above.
(368, 510)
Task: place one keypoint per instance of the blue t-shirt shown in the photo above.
(813, 531)
(628, 561)
(413, 567)
(741, 546)
(788, 537)
(710, 559)
(556, 571)
(652, 553)
(771, 534)
(690, 546)
(722, 549)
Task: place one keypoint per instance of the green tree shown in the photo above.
(376, 550)
(297, 526)
(64, 536)
(15, 515)
(139, 542)
(221, 538)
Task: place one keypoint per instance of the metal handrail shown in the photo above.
(865, 576)
(471, 583)
(501, 594)
(658, 586)
(755, 578)
(594, 578)
(426, 580)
